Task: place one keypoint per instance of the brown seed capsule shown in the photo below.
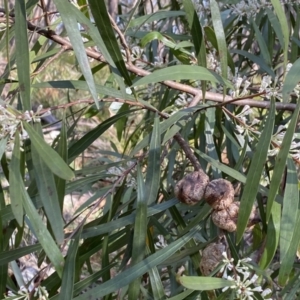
(190, 189)
(227, 218)
(219, 194)
(211, 257)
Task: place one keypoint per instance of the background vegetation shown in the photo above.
(146, 92)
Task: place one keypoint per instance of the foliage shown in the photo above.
(167, 88)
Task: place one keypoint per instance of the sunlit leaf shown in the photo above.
(203, 283)
(70, 22)
(180, 73)
(50, 157)
(254, 174)
(22, 53)
(15, 179)
(290, 223)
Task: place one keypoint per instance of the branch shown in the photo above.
(215, 97)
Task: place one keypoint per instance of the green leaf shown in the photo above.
(47, 191)
(254, 174)
(62, 150)
(101, 17)
(70, 22)
(161, 14)
(8, 256)
(15, 179)
(220, 35)
(22, 53)
(291, 80)
(290, 223)
(153, 167)
(284, 29)
(200, 283)
(258, 60)
(41, 232)
(126, 220)
(181, 72)
(262, 44)
(82, 85)
(3, 143)
(79, 146)
(51, 158)
(281, 159)
(196, 31)
(272, 236)
(164, 126)
(68, 276)
(182, 296)
(140, 233)
(139, 269)
(276, 25)
(97, 39)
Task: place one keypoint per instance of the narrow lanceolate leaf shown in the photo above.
(220, 35)
(3, 142)
(62, 150)
(196, 31)
(8, 256)
(197, 35)
(79, 146)
(15, 180)
(47, 191)
(41, 232)
(182, 72)
(258, 60)
(51, 158)
(153, 169)
(67, 284)
(290, 223)
(272, 238)
(70, 22)
(254, 174)
(140, 233)
(262, 44)
(101, 17)
(281, 159)
(200, 283)
(284, 28)
(137, 270)
(291, 80)
(22, 53)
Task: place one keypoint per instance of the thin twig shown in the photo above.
(216, 97)
(46, 17)
(48, 62)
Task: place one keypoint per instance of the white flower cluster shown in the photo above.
(277, 140)
(245, 284)
(11, 120)
(247, 129)
(271, 91)
(248, 7)
(25, 294)
(239, 83)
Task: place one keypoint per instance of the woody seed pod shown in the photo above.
(219, 194)
(211, 257)
(190, 189)
(227, 218)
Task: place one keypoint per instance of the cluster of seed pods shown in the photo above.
(218, 193)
